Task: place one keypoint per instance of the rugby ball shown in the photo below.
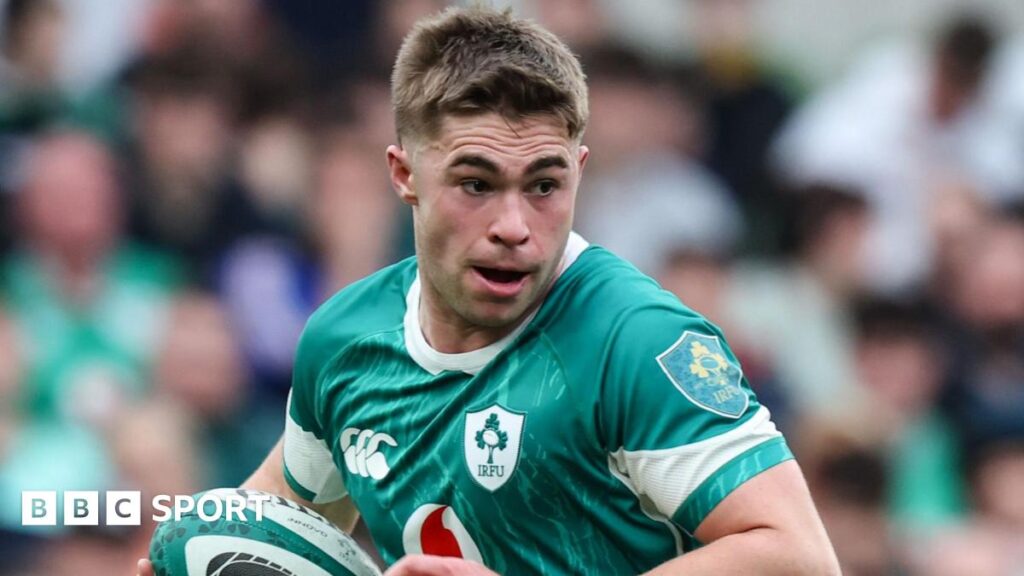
(288, 540)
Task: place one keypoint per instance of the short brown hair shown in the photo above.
(468, 61)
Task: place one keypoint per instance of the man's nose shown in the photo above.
(509, 226)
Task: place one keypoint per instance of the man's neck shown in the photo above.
(449, 333)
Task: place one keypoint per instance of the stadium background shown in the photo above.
(839, 185)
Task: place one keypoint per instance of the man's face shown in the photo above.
(493, 208)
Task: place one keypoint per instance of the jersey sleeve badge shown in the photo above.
(699, 368)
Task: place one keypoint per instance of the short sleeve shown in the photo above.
(308, 464)
(681, 424)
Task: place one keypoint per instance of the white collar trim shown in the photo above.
(473, 361)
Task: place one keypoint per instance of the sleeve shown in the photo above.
(308, 463)
(681, 425)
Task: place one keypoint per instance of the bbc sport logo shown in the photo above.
(124, 507)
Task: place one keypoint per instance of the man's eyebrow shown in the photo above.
(476, 162)
(547, 162)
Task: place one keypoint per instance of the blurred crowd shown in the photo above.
(183, 181)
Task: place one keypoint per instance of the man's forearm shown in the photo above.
(758, 551)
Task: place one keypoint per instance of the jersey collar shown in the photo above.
(473, 361)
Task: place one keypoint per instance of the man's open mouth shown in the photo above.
(500, 276)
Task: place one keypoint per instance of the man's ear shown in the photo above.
(400, 170)
(584, 154)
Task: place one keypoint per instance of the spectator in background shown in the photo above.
(89, 308)
(267, 278)
(645, 196)
(901, 367)
(184, 198)
(996, 478)
(582, 24)
(331, 36)
(348, 224)
(200, 369)
(392, 22)
(850, 483)
(274, 168)
(986, 335)
(746, 104)
(235, 30)
(904, 126)
(74, 284)
(796, 314)
(272, 155)
(269, 284)
(30, 47)
(976, 548)
(354, 219)
(996, 531)
(31, 34)
(265, 274)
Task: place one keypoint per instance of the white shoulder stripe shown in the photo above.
(309, 461)
(645, 506)
(667, 477)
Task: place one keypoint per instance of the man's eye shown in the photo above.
(474, 186)
(545, 187)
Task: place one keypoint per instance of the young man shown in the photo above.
(512, 397)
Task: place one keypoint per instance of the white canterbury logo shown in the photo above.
(361, 456)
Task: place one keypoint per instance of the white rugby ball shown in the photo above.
(289, 540)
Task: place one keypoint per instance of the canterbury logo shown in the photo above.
(361, 452)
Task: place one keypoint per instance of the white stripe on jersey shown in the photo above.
(646, 508)
(667, 477)
(309, 461)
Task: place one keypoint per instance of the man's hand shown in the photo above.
(269, 477)
(422, 565)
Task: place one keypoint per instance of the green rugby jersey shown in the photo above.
(593, 439)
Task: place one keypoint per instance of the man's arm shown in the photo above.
(269, 477)
(768, 525)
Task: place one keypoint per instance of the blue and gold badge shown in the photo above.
(699, 368)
